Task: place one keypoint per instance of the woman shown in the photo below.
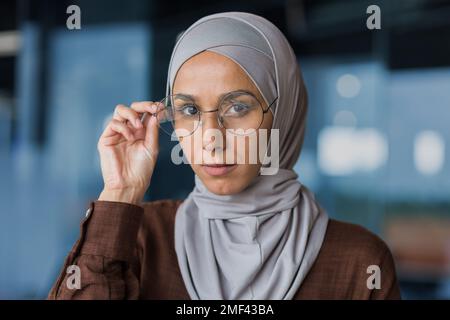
(241, 233)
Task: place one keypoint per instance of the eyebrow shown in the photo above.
(189, 97)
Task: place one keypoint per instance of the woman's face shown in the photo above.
(206, 77)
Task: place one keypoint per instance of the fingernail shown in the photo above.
(138, 123)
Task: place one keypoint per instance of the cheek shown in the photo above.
(251, 149)
(192, 145)
(187, 148)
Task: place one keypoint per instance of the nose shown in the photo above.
(213, 135)
(209, 120)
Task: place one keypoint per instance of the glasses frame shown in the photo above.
(200, 113)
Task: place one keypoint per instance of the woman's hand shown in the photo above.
(128, 150)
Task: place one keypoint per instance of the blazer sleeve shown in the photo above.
(389, 284)
(105, 257)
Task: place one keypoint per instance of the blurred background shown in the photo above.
(377, 144)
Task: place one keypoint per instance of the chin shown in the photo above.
(229, 184)
(223, 186)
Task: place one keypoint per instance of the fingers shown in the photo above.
(126, 120)
(116, 126)
(123, 113)
(142, 106)
(147, 106)
(150, 122)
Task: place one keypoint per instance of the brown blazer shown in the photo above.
(127, 252)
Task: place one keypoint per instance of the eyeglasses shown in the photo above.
(239, 111)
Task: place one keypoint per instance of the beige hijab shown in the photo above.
(260, 243)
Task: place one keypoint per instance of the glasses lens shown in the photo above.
(164, 116)
(241, 112)
(182, 113)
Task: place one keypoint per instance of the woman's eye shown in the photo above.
(237, 109)
(188, 110)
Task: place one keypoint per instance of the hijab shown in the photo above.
(261, 242)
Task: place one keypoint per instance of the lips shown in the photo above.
(218, 169)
